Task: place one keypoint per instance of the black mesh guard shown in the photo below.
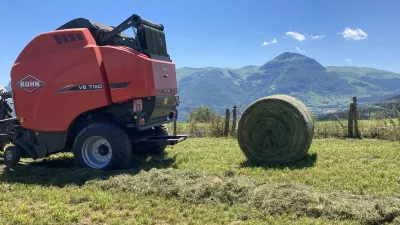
(153, 41)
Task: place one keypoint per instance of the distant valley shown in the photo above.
(322, 89)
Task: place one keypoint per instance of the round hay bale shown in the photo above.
(275, 129)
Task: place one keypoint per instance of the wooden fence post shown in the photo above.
(357, 133)
(174, 128)
(233, 129)
(226, 130)
(350, 122)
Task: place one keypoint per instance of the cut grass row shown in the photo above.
(209, 181)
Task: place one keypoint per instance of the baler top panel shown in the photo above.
(93, 27)
(97, 29)
(149, 39)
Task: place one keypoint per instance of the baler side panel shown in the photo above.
(164, 75)
(165, 88)
(66, 72)
(133, 75)
(124, 69)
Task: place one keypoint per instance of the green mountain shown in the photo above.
(242, 72)
(363, 72)
(387, 80)
(378, 110)
(321, 88)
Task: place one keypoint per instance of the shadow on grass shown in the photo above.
(61, 171)
(306, 162)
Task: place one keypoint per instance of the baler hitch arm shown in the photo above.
(132, 21)
(149, 36)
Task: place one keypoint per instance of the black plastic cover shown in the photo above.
(92, 26)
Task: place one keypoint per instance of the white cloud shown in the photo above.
(348, 60)
(317, 37)
(296, 35)
(271, 42)
(298, 49)
(356, 34)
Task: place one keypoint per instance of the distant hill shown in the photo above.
(363, 72)
(382, 78)
(242, 72)
(323, 89)
(378, 110)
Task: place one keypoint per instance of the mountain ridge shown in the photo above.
(320, 88)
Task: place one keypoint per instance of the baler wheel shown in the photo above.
(102, 146)
(12, 155)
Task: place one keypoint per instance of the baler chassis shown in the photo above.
(20, 142)
(125, 102)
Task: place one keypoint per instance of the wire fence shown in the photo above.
(239, 108)
(383, 129)
(365, 108)
(336, 128)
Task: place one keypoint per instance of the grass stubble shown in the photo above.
(209, 181)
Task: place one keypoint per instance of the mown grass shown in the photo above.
(356, 166)
(209, 181)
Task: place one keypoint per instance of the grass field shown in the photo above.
(209, 181)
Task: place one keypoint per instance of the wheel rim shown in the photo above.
(9, 155)
(96, 152)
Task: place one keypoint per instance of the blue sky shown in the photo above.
(228, 33)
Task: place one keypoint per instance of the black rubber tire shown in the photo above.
(117, 138)
(281, 109)
(15, 154)
(159, 131)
